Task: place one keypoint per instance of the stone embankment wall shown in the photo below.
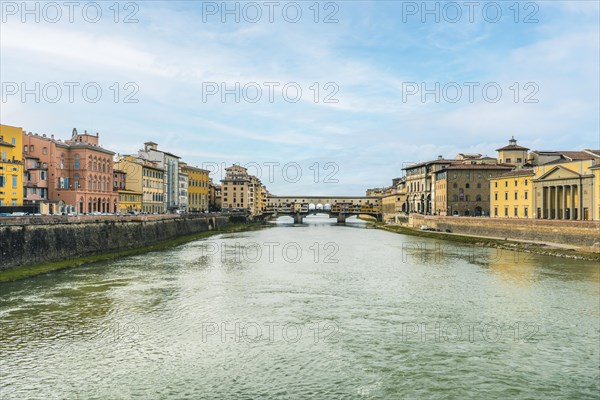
(28, 241)
(578, 233)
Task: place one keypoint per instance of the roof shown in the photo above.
(437, 161)
(594, 152)
(515, 173)
(568, 156)
(477, 167)
(512, 147)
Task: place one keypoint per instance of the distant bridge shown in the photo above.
(341, 207)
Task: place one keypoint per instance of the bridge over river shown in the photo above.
(340, 207)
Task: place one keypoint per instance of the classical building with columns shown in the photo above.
(566, 190)
(563, 189)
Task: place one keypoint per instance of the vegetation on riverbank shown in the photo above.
(23, 272)
(491, 242)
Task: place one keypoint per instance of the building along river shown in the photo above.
(317, 310)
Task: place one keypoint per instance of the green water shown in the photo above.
(313, 311)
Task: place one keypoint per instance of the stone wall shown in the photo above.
(582, 233)
(29, 241)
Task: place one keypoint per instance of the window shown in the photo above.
(495, 184)
(506, 184)
(31, 148)
(516, 211)
(479, 186)
(519, 160)
(506, 211)
(506, 196)
(478, 197)
(508, 160)
(13, 141)
(495, 211)
(45, 150)
(496, 196)
(14, 182)
(516, 195)
(76, 161)
(3, 155)
(2, 179)
(455, 185)
(525, 212)
(25, 149)
(525, 195)
(525, 182)
(467, 185)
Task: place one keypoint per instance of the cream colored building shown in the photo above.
(146, 177)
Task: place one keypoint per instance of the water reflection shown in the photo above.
(318, 309)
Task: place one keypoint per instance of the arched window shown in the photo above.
(478, 197)
(455, 185)
(467, 185)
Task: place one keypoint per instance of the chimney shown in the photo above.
(440, 157)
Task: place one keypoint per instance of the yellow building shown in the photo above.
(130, 201)
(512, 154)
(11, 166)
(561, 189)
(565, 189)
(596, 171)
(198, 188)
(144, 177)
(512, 194)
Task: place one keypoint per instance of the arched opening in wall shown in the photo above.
(319, 207)
(211, 224)
(312, 207)
(327, 207)
(478, 211)
(115, 206)
(467, 213)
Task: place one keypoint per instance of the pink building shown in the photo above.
(79, 171)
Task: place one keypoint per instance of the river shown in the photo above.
(316, 310)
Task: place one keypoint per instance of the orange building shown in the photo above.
(79, 171)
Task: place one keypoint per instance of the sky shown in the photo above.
(315, 98)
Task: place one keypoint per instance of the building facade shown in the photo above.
(464, 189)
(170, 164)
(79, 171)
(215, 197)
(144, 177)
(513, 154)
(183, 190)
(420, 185)
(562, 188)
(198, 188)
(512, 194)
(11, 166)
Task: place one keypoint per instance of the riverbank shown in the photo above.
(22, 272)
(507, 244)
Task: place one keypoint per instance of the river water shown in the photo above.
(313, 311)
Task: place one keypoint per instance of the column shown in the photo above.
(564, 201)
(545, 198)
(572, 192)
(557, 204)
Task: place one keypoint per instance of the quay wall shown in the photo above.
(33, 240)
(577, 233)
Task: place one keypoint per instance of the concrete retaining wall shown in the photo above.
(24, 242)
(582, 233)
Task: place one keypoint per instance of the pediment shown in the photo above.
(559, 172)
